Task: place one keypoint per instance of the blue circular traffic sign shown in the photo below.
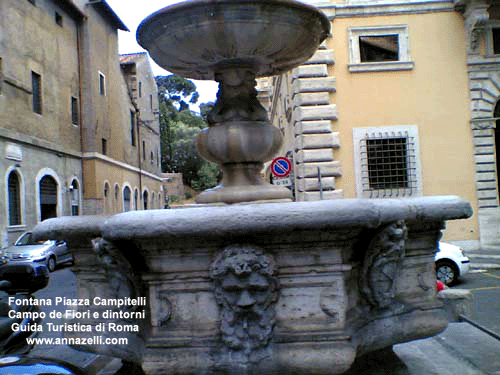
(281, 166)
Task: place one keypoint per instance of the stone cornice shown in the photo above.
(360, 9)
(15, 137)
(106, 159)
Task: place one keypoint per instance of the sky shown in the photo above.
(132, 13)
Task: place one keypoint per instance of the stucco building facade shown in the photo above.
(383, 108)
(75, 137)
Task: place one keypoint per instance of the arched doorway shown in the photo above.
(75, 198)
(126, 199)
(48, 197)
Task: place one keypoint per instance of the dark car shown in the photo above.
(21, 365)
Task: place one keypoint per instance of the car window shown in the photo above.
(25, 239)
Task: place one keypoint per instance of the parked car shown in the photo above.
(451, 263)
(50, 253)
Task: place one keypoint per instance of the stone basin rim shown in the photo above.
(198, 65)
(190, 4)
(254, 218)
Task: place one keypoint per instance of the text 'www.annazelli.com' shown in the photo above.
(94, 340)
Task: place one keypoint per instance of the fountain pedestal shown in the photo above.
(296, 288)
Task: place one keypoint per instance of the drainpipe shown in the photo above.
(139, 145)
(80, 103)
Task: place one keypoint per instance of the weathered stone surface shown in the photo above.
(315, 141)
(209, 272)
(308, 184)
(318, 112)
(327, 84)
(322, 154)
(308, 71)
(327, 169)
(322, 56)
(310, 196)
(313, 127)
(311, 98)
(457, 302)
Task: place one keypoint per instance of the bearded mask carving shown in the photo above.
(246, 290)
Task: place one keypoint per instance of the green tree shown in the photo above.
(179, 127)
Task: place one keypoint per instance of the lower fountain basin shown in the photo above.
(265, 288)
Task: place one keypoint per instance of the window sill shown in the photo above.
(381, 66)
(16, 228)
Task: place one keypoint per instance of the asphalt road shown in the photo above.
(484, 284)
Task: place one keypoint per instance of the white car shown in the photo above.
(451, 263)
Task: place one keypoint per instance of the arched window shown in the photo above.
(145, 199)
(126, 198)
(48, 197)
(75, 198)
(136, 199)
(117, 204)
(107, 199)
(14, 186)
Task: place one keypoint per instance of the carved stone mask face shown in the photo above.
(246, 291)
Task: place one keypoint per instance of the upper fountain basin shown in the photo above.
(197, 38)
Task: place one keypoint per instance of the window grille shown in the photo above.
(74, 110)
(388, 165)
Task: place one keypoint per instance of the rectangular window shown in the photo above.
(151, 101)
(74, 111)
(140, 89)
(386, 162)
(102, 84)
(104, 144)
(59, 19)
(143, 150)
(496, 40)
(132, 128)
(36, 88)
(379, 48)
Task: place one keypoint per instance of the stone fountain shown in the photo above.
(268, 287)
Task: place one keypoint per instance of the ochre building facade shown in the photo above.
(382, 110)
(79, 129)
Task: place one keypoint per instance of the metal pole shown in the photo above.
(320, 184)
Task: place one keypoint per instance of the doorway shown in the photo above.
(48, 198)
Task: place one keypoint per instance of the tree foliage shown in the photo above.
(179, 127)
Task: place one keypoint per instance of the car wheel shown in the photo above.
(446, 271)
(51, 264)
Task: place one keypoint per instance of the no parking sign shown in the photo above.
(281, 166)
